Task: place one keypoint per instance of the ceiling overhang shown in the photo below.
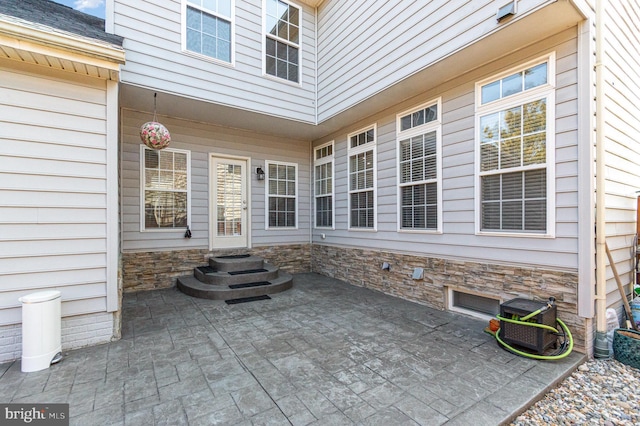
(312, 3)
(41, 45)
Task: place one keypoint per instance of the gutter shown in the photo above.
(46, 36)
(601, 347)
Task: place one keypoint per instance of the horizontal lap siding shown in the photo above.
(53, 187)
(202, 140)
(353, 65)
(622, 136)
(152, 32)
(458, 239)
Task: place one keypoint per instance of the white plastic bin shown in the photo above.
(40, 330)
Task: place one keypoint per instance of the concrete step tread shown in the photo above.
(190, 285)
(267, 273)
(230, 264)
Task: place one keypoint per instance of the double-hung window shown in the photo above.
(282, 198)
(419, 167)
(165, 177)
(208, 28)
(323, 178)
(515, 150)
(282, 40)
(362, 173)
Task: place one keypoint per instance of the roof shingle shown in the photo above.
(60, 17)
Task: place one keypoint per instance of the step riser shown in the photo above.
(204, 291)
(232, 265)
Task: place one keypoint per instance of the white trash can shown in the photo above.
(41, 322)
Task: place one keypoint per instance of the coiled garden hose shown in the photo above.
(567, 339)
(565, 348)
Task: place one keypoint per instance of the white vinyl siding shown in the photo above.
(208, 28)
(621, 69)
(458, 238)
(282, 195)
(419, 170)
(395, 40)
(57, 179)
(202, 141)
(166, 188)
(362, 176)
(515, 145)
(324, 166)
(157, 60)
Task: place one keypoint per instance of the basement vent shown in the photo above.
(474, 304)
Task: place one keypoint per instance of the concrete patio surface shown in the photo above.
(323, 353)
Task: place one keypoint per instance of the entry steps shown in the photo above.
(235, 277)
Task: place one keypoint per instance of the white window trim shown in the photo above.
(372, 146)
(546, 91)
(183, 36)
(325, 160)
(142, 189)
(299, 45)
(436, 126)
(267, 195)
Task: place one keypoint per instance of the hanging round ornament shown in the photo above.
(154, 134)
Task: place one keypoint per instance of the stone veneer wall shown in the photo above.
(363, 268)
(155, 270)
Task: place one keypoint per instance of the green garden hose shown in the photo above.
(565, 348)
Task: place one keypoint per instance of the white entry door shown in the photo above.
(229, 209)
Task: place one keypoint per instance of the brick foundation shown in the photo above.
(76, 332)
(363, 268)
(155, 270)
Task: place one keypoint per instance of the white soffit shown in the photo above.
(312, 3)
(41, 45)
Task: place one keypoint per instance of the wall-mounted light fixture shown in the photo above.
(260, 173)
(386, 266)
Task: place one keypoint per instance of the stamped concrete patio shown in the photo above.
(322, 353)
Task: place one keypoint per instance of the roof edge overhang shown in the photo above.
(61, 46)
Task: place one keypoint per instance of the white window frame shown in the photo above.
(545, 91)
(231, 19)
(320, 162)
(432, 126)
(143, 227)
(267, 195)
(371, 146)
(266, 34)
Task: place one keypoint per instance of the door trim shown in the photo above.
(212, 206)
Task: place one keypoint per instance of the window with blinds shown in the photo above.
(515, 141)
(419, 167)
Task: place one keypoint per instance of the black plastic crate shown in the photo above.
(525, 336)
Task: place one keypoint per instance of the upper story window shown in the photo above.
(516, 143)
(282, 198)
(282, 40)
(323, 177)
(165, 177)
(362, 185)
(419, 148)
(208, 28)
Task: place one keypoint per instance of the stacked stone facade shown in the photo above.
(505, 282)
(155, 270)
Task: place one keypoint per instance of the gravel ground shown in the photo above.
(603, 392)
